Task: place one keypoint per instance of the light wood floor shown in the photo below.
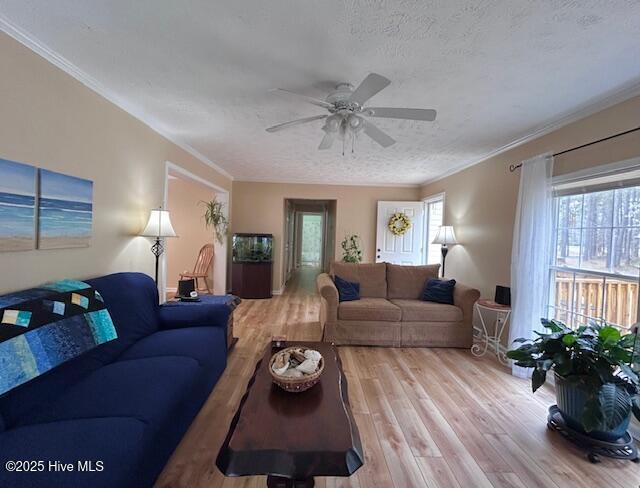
(427, 417)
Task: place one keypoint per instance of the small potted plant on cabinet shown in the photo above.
(596, 389)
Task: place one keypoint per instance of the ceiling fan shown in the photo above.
(348, 116)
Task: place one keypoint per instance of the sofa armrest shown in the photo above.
(176, 315)
(465, 297)
(329, 298)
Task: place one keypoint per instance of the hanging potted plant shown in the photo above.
(596, 389)
(214, 218)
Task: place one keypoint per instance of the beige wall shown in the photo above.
(183, 201)
(481, 200)
(259, 207)
(53, 121)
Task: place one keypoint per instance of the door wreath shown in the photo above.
(399, 224)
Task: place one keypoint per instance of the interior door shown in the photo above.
(406, 249)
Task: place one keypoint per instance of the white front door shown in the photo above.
(407, 248)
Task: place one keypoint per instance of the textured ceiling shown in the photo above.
(200, 71)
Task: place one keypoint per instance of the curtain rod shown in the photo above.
(513, 167)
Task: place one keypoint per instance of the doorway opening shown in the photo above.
(184, 192)
(309, 237)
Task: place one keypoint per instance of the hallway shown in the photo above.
(303, 280)
(309, 238)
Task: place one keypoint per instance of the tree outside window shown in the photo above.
(597, 253)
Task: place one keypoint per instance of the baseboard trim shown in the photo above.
(279, 291)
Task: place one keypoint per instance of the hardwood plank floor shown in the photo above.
(437, 418)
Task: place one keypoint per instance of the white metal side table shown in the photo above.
(503, 312)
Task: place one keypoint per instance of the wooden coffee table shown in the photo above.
(292, 437)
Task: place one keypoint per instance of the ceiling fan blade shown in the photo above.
(315, 101)
(371, 85)
(327, 141)
(286, 125)
(425, 114)
(377, 135)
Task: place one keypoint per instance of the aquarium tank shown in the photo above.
(252, 248)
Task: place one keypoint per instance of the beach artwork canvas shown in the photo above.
(65, 211)
(17, 206)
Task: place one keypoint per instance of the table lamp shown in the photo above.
(445, 236)
(159, 226)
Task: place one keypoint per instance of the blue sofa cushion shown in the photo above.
(132, 301)
(149, 389)
(439, 291)
(120, 443)
(194, 342)
(347, 291)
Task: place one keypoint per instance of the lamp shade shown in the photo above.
(445, 235)
(159, 225)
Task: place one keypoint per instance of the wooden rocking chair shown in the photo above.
(201, 268)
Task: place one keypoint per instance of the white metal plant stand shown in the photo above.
(503, 312)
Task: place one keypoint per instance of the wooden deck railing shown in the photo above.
(621, 299)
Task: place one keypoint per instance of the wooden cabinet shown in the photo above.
(252, 280)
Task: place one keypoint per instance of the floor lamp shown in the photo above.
(159, 227)
(445, 237)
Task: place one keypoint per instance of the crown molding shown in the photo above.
(325, 183)
(38, 47)
(597, 105)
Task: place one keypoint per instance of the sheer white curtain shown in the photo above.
(531, 250)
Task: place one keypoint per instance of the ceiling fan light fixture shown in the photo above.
(332, 124)
(355, 123)
(348, 116)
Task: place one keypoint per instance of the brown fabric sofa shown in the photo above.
(390, 312)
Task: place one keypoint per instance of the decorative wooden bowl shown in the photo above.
(295, 385)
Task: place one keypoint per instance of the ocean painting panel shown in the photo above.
(17, 206)
(65, 217)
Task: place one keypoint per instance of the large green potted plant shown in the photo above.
(596, 389)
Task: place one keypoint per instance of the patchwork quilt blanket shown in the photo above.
(43, 327)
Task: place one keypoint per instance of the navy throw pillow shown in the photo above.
(347, 291)
(439, 291)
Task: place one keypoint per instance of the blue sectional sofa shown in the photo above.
(123, 406)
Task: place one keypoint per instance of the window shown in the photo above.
(596, 257)
(434, 213)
